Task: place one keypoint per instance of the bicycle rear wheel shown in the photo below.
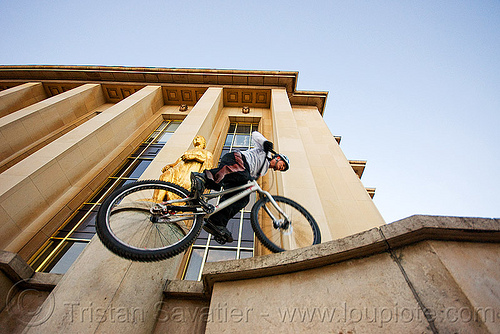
(300, 231)
(129, 226)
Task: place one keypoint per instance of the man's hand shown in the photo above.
(268, 146)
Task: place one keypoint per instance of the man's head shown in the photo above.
(279, 162)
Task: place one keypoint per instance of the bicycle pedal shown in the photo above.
(220, 239)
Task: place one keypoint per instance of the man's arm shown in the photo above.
(261, 141)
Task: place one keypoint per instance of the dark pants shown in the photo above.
(232, 171)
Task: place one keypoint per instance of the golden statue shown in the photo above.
(194, 160)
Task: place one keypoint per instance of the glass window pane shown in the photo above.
(71, 224)
(152, 136)
(173, 126)
(68, 256)
(232, 127)
(162, 126)
(242, 140)
(203, 234)
(247, 244)
(127, 182)
(229, 140)
(243, 128)
(202, 238)
(148, 152)
(201, 241)
(193, 269)
(215, 255)
(245, 254)
(139, 168)
(86, 225)
(246, 231)
(164, 137)
(234, 227)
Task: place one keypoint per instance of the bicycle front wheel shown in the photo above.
(131, 224)
(278, 235)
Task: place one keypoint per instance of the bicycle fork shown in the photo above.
(277, 223)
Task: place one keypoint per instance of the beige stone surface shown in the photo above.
(6, 286)
(354, 284)
(182, 316)
(200, 120)
(45, 140)
(125, 278)
(435, 268)
(22, 305)
(30, 124)
(47, 174)
(21, 96)
(298, 182)
(475, 269)
(108, 295)
(344, 199)
(448, 303)
(50, 220)
(358, 245)
(358, 296)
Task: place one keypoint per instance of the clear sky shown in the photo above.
(414, 86)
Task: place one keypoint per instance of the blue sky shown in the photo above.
(414, 86)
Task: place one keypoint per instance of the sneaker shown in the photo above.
(218, 231)
(197, 184)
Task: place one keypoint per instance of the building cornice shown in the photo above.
(167, 76)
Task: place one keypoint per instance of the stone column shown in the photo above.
(347, 206)
(103, 293)
(21, 96)
(29, 125)
(298, 183)
(200, 121)
(30, 191)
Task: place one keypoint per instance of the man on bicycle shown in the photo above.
(235, 169)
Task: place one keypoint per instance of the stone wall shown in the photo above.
(423, 274)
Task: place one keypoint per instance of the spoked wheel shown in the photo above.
(131, 224)
(299, 231)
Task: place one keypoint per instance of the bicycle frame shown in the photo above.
(246, 189)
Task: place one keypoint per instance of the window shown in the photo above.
(64, 246)
(205, 248)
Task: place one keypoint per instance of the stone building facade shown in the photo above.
(72, 134)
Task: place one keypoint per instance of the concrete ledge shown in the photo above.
(377, 240)
(400, 233)
(422, 227)
(355, 246)
(185, 290)
(17, 270)
(14, 266)
(44, 281)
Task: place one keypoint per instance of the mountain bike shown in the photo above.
(133, 225)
